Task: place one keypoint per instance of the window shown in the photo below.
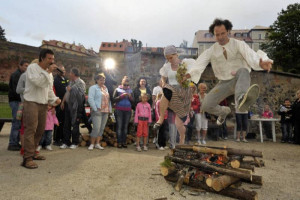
(259, 36)
(208, 35)
(115, 45)
(245, 34)
(103, 45)
(121, 46)
(237, 35)
(109, 45)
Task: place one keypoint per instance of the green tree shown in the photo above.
(2, 34)
(283, 42)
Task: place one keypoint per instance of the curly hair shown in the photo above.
(219, 22)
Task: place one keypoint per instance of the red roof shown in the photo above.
(115, 46)
(71, 47)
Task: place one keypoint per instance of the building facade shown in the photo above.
(253, 37)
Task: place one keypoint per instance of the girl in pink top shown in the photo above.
(47, 136)
(142, 118)
(267, 126)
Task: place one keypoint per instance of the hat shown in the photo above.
(169, 50)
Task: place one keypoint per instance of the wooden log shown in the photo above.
(252, 162)
(230, 151)
(210, 168)
(223, 182)
(180, 180)
(235, 164)
(210, 150)
(208, 181)
(165, 171)
(257, 180)
(83, 143)
(230, 192)
(247, 166)
(103, 144)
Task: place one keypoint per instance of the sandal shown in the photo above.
(38, 157)
(29, 164)
(156, 126)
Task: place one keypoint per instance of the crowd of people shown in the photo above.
(46, 108)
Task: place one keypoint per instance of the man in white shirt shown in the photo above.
(37, 95)
(231, 62)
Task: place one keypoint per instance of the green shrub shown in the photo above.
(4, 87)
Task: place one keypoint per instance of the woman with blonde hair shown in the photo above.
(100, 108)
(122, 97)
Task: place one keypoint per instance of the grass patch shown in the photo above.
(5, 111)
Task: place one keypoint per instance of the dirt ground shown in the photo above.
(127, 174)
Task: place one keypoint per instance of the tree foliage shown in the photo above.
(283, 42)
(2, 34)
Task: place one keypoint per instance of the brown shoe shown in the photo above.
(29, 164)
(38, 157)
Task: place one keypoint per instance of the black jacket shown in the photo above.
(13, 82)
(285, 113)
(60, 85)
(137, 94)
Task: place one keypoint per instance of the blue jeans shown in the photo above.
(46, 138)
(122, 119)
(14, 136)
(241, 121)
(287, 129)
(99, 121)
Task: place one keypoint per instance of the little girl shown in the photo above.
(142, 118)
(161, 132)
(47, 136)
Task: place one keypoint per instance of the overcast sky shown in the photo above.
(156, 23)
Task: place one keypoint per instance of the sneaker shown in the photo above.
(39, 148)
(145, 148)
(138, 148)
(238, 140)
(244, 140)
(49, 148)
(203, 142)
(98, 146)
(63, 146)
(225, 138)
(166, 147)
(199, 142)
(160, 148)
(249, 98)
(91, 147)
(221, 118)
(73, 146)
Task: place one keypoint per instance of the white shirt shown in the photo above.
(39, 85)
(156, 90)
(239, 55)
(166, 71)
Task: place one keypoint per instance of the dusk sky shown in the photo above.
(156, 23)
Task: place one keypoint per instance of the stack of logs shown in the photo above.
(214, 169)
(109, 138)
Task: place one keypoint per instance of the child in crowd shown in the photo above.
(195, 109)
(47, 136)
(241, 123)
(285, 111)
(142, 118)
(161, 142)
(267, 126)
(201, 119)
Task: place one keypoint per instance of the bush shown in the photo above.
(4, 87)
